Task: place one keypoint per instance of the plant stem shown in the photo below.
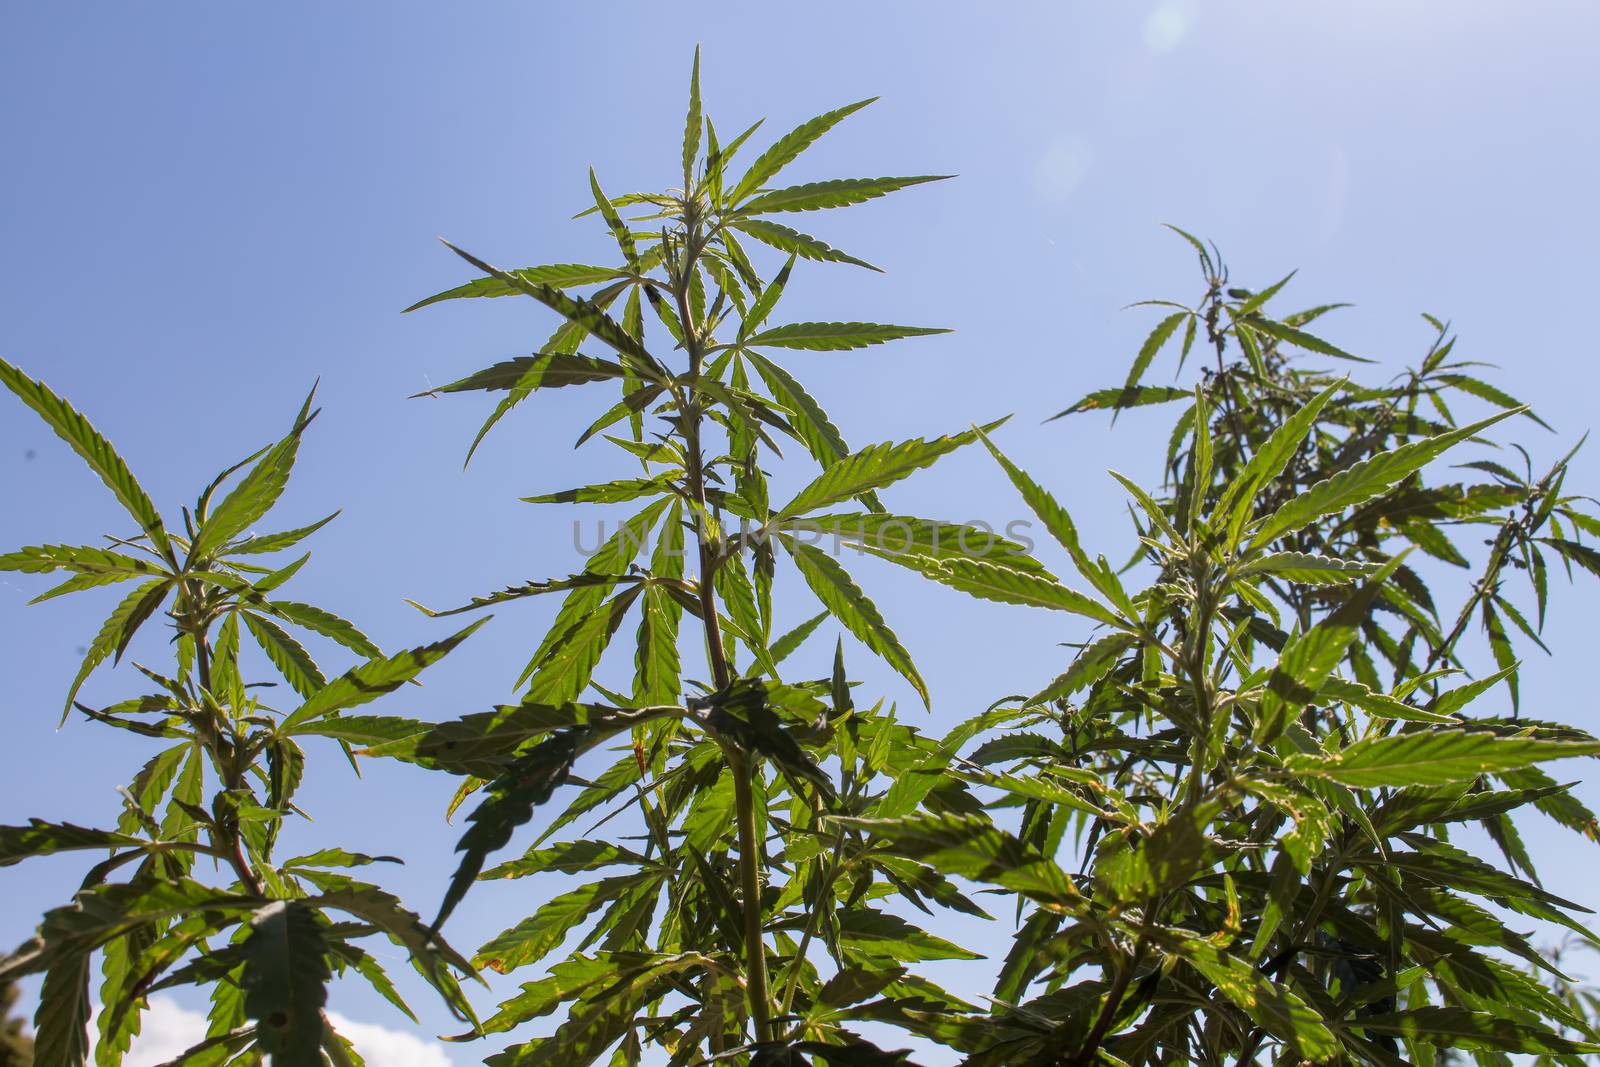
(750, 889)
(740, 765)
(1113, 1003)
(226, 839)
(1219, 341)
(1197, 640)
(1498, 554)
(810, 931)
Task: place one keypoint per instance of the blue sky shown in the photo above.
(205, 208)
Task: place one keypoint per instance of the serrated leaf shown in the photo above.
(617, 492)
(510, 801)
(878, 935)
(1126, 397)
(117, 631)
(1484, 391)
(840, 192)
(1059, 522)
(558, 274)
(40, 838)
(567, 980)
(835, 336)
(821, 437)
(610, 561)
(851, 985)
(1307, 569)
(796, 243)
(1309, 658)
(564, 672)
(619, 229)
(79, 559)
(379, 675)
(544, 370)
(1270, 459)
(1299, 338)
(987, 581)
(1460, 1028)
(599, 1018)
(285, 975)
(256, 492)
(1276, 1008)
(692, 124)
(537, 936)
(336, 857)
(872, 468)
(1362, 481)
(583, 313)
(1090, 665)
(1433, 757)
(94, 449)
(846, 602)
(970, 846)
(286, 654)
(116, 1028)
(1258, 300)
(277, 542)
(61, 1022)
(567, 857)
(890, 536)
(787, 147)
(325, 623)
(1153, 344)
(787, 643)
(1380, 704)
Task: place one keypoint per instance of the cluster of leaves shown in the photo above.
(1259, 759)
(1577, 992)
(266, 933)
(1256, 760)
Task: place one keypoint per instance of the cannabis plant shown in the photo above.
(1260, 757)
(745, 920)
(193, 890)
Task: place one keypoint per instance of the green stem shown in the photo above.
(226, 839)
(1219, 340)
(742, 767)
(1113, 1004)
(825, 886)
(750, 889)
(1491, 575)
(1196, 644)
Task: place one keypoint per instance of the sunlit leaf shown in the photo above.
(95, 450)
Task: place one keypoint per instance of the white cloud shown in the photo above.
(166, 1030)
(1165, 27)
(169, 1029)
(390, 1048)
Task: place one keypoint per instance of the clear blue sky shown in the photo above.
(206, 207)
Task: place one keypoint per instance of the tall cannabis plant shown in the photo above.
(1260, 758)
(744, 922)
(193, 890)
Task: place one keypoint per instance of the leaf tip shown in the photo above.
(429, 612)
